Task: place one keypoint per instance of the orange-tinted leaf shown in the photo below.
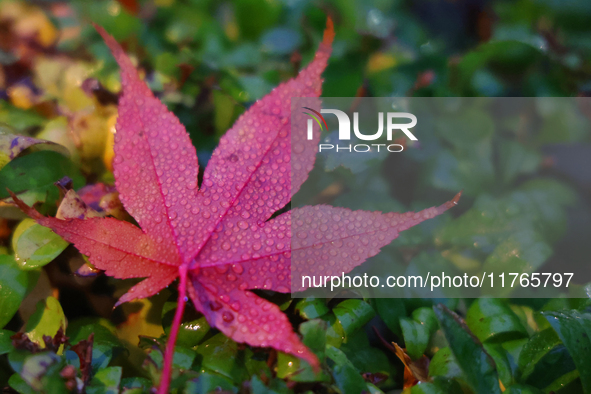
(414, 371)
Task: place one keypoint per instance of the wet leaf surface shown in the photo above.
(477, 366)
(35, 246)
(14, 285)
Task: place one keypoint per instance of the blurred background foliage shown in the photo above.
(209, 61)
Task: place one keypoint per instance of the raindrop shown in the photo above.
(227, 316)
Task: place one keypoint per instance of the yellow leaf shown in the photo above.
(58, 131)
(143, 318)
(109, 153)
(21, 96)
(90, 130)
(380, 61)
(139, 321)
(29, 22)
(61, 79)
(462, 262)
(46, 320)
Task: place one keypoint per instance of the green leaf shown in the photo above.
(504, 362)
(516, 159)
(426, 316)
(255, 87)
(276, 386)
(18, 384)
(416, 337)
(373, 389)
(281, 41)
(417, 331)
(225, 109)
(511, 54)
(471, 169)
(106, 345)
(35, 245)
(166, 63)
(47, 319)
(14, 285)
(39, 171)
(191, 333)
(365, 357)
(11, 145)
(439, 385)
(105, 381)
(391, 310)
(208, 382)
(522, 252)
(256, 363)
(536, 207)
(182, 358)
(492, 320)
(346, 376)
(5, 341)
(136, 383)
(16, 359)
(546, 363)
(427, 388)
(18, 118)
(545, 201)
(522, 389)
(473, 126)
(9, 211)
(506, 357)
(562, 123)
(353, 314)
(538, 345)
(574, 330)
(292, 368)
(444, 364)
(335, 334)
(477, 366)
(219, 354)
(311, 308)
(289, 366)
(313, 333)
(256, 16)
(120, 24)
(138, 390)
(41, 371)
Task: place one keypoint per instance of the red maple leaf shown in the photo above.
(217, 238)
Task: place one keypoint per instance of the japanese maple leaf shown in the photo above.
(217, 238)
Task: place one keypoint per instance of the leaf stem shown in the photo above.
(174, 330)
